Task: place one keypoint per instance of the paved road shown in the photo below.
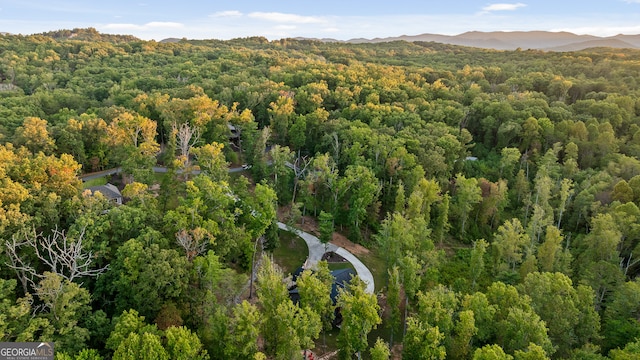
(99, 174)
(316, 250)
(156, 169)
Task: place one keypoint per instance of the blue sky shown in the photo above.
(339, 19)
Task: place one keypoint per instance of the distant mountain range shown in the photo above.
(499, 40)
(503, 40)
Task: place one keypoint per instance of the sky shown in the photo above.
(337, 19)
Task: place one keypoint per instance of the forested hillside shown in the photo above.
(500, 188)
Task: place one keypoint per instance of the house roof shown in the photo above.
(341, 278)
(234, 131)
(110, 191)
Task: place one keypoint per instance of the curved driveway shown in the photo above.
(316, 250)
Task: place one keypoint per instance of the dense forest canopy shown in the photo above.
(500, 188)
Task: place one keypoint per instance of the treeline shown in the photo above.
(502, 188)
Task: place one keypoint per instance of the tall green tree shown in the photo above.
(296, 330)
(380, 351)
(516, 323)
(393, 300)
(467, 195)
(144, 277)
(315, 293)
(464, 330)
(244, 331)
(566, 192)
(360, 190)
(630, 352)
(522, 327)
(491, 352)
(599, 262)
(422, 341)
(360, 315)
(533, 352)
(127, 323)
(66, 305)
(271, 292)
(282, 158)
(325, 227)
(16, 321)
(396, 238)
(510, 242)
(483, 315)
(146, 346)
(558, 304)
(620, 324)
(510, 157)
(437, 307)
(182, 344)
(442, 225)
(551, 257)
(476, 265)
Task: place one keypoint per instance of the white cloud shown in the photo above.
(285, 27)
(286, 18)
(502, 7)
(147, 26)
(163, 24)
(278, 26)
(120, 26)
(229, 13)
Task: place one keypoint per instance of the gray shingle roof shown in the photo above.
(110, 191)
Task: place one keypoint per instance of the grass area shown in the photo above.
(291, 253)
(383, 331)
(327, 342)
(340, 266)
(94, 182)
(158, 177)
(374, 260)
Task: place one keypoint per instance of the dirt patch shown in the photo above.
(306, 223)
(310, 224)
(332, 257)
(282, 212)
(396, 352)
(342, 241)
(329, 356)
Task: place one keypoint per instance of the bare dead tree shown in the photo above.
(192, 243)
(629, 263)
(299, 168)
(187, 136)
(17, 264)
(61, 255)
